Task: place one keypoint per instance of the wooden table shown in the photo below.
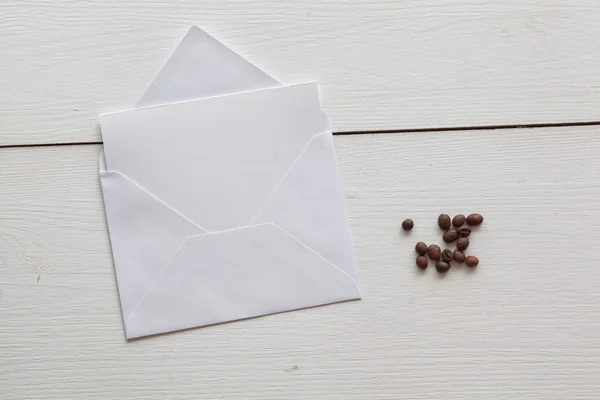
(441, 78)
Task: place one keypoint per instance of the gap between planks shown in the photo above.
(363, 132)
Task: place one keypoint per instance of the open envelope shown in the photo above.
(227, 207)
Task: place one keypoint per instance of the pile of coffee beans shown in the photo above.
(456, 232)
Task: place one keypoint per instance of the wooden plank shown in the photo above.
(523, 325)
(383, 64)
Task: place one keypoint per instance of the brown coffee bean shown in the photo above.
(458, 220)
(447, 255)
(474, 219)
(434, 252)
(472, 261)
(450, 235)
(464, 231)
(422, 262)
(444, 221)
(407, 224)
(421, 248)
(462, 243)
(459, 256)
(442, 266)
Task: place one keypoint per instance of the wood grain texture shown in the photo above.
(523, 325)
(384, 64)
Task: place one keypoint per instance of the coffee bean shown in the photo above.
(421, 248)
(447, 255)
(464, 231)
(458, 220)
(459, 256)
(422, 262)
(434, 252)
(462, 243)
(474, 219)
(472, 261)
(407, 224)
(442, 266)
(450, 235)
(444, 221)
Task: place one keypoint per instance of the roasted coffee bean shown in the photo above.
(422, 262)
(407, 224)
(434, 252)
(472, 261)
(447, 255)
(450, 235)
(464, 231)
(421, 248)
(462, 243)
(458, 220)
(474, 219)
(442, 266)
(444, 221)
(459, 256)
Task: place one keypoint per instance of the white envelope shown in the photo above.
(227, 207)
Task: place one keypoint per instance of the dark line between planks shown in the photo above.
(12, 146)
(364, 132)
(473, 128)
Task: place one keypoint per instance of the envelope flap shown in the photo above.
(214, 160)
(309, 204)
(144, 233)
(201, 66)
(236, 274)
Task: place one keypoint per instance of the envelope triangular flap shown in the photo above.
(237, 274)
(214, 160)
(201, 66)
(309, 204)
(145, 240)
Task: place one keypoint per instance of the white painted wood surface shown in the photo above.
(385, 64)
(523, 325)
